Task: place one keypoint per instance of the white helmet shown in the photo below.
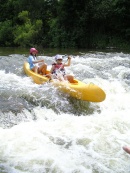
(58, 57)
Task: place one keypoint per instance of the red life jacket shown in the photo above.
(58, 66)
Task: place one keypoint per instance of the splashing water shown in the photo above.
(45, 131)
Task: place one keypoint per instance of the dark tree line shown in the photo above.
(65, 23)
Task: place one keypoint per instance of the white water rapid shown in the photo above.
(44, 131)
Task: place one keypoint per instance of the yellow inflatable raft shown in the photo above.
(77, 89)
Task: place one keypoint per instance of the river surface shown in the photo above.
(44, 131)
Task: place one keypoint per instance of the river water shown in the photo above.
(44, 131)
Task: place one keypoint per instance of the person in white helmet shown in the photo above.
(38, 66)
(58, 68)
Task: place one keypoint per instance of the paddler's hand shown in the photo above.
(69, 57)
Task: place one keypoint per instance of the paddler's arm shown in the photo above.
(52, 68)
(37, 61)
(68, 62)
(50, 74)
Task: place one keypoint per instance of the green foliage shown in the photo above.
(26, 33)
(23, 16)
(65, 23)
(6, 37)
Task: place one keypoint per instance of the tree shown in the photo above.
(26, 33)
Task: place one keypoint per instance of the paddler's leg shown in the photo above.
(42, 69)
(70, 78)
(35, 69)
(126, 149)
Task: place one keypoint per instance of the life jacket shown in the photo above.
(58, 67)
